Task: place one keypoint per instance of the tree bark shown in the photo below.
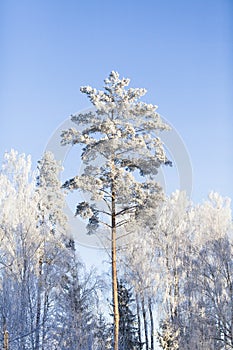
(38, 311)
(145, 323)
(114, 273)
(45, 312)
(23, 302)
(176, 293)
(139, 321)
(6, 340)
(151, 324)
(5, 335)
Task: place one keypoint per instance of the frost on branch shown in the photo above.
(51, 198)
(84, 210)
(168, 337)
(87, 211)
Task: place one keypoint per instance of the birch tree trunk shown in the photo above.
(45, 312)
(23, 301)
(151, 324)
(139, 321)
(38, 311)
(145, 324)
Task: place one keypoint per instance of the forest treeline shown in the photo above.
(175, 271)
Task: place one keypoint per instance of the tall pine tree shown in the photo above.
(122, 152)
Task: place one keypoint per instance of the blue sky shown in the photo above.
(181, 51)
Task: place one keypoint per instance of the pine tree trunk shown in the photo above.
(114, 273)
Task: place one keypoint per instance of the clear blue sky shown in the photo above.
(181, 51)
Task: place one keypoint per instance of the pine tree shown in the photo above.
(103, 334)
(128, 329)
(122, 152)
(168, 337)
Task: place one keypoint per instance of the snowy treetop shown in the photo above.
(121, 146)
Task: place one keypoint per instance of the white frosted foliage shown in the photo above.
(51, 199)
(121, 150)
